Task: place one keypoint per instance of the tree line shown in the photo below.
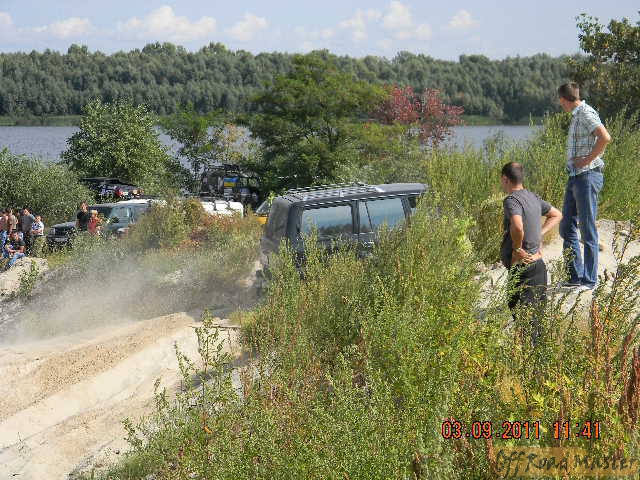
(165, 77)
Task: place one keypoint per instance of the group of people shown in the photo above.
(523, 212)
(88, 220)
(20, 234)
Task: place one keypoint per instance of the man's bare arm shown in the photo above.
(553, 218)
(516, 228)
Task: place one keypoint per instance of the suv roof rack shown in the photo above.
(332, 190)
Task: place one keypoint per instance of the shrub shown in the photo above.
(161, 227)
(48, 189)
(194, 213)
(119, 139)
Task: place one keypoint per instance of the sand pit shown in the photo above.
(63, 399)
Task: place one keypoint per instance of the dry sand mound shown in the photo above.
(63, 399)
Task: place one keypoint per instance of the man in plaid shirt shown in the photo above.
(586, 141)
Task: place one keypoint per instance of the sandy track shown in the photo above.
(62, 400)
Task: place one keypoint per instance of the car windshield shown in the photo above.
(264, 208)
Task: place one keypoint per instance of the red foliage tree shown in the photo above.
(431, 117)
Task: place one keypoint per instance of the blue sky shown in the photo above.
(443, 29)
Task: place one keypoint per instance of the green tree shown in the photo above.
(611, 71)
(47, 189)
(308, 121)
(119, 139)
(208, 140)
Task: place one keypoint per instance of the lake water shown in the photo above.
(49, 142)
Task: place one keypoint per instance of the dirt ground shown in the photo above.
(63, 399)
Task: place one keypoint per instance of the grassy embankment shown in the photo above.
(355, 368)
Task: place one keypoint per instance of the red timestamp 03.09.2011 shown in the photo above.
(507, 430)
(514, 429)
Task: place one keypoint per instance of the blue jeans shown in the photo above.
(15, 258)
(579, 211)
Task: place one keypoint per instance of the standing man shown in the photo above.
(4, 227)
(83, 217)
(13, 222)
(27, 220)
(37, 235)
(520, 250)
(586, 141)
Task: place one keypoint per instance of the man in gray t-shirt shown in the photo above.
(27, 220)
(520, 250)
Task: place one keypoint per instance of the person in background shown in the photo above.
(82, 218)
(14, 248)
(94, 223)
(37, 234)
(19, 222)
(4, 227)
(13, 221)
(586, 142)
(26, 222)
(520, 250)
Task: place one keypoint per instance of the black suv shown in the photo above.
(339, 213)
(117, 217)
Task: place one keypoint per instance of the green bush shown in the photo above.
(119, 139)
(161, 227)
(48, 189)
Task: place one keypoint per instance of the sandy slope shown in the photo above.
(62, 400)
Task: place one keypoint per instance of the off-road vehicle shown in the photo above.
(348, 213)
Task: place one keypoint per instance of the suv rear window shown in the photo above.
(330, 221)
(375, 213)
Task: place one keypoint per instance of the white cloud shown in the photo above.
(5, 20)
(423, 32)
(247, 28)
(385, 44)
(306, 46)
(398, 17)
(326, 33)
(399, 20)
(358, 23)
(164, 24)
(462, 20)
(70, 27)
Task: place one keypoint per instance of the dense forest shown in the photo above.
(166, 77)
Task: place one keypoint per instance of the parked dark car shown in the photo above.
(339, 214)
(116, 219)
(112, 188)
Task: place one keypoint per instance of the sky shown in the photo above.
(441, 29)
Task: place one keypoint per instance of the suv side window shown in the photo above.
(330, 221)
(375, 213)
